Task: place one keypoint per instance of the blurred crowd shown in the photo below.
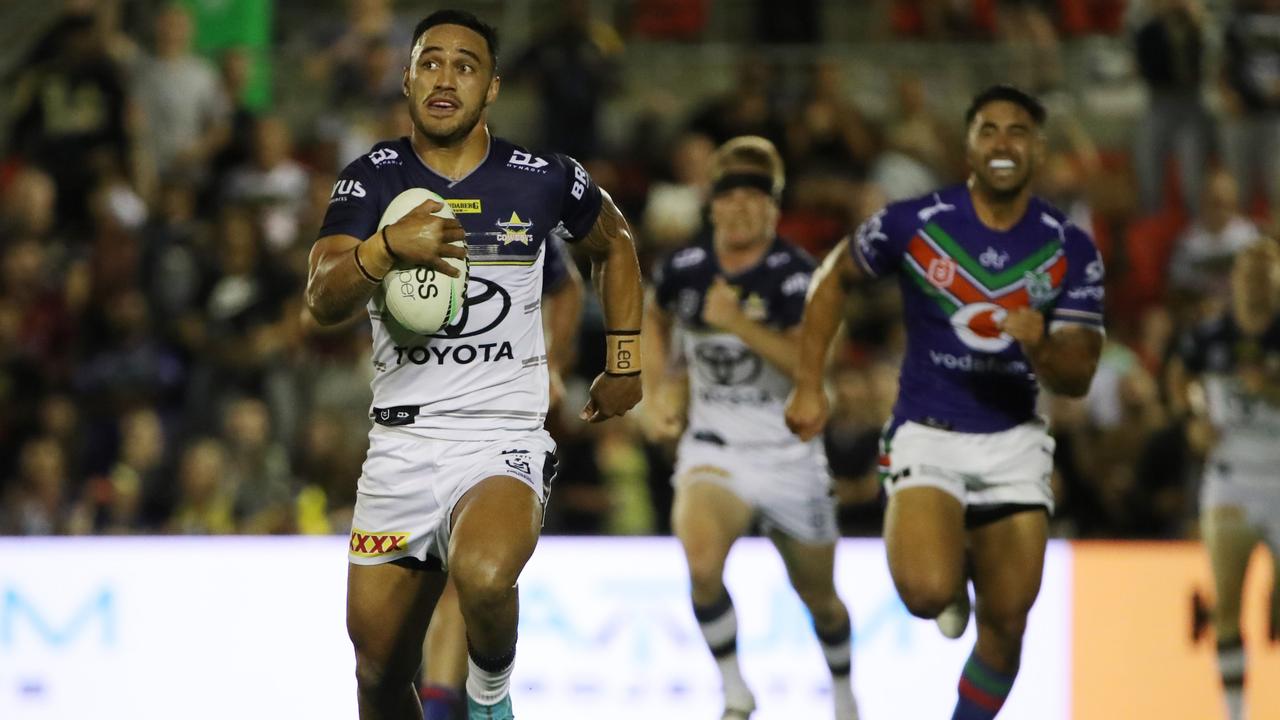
(158, 374)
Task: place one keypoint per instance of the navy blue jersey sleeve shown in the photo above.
(555, 271)
(879, 243)
(581, 199)
(1080, 302)
(663, 290)
(789, 305)
(353, 204)
(680, 271)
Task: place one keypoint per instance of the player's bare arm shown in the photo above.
(343, 271)
(666, 385)
(722, 310)
(615, 273)
(561, 320)
(823, 310)
(1065, 359)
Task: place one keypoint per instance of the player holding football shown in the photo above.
(1228, 372)
(999, 291)
(459, 465)
(445, 648)
(732, 307)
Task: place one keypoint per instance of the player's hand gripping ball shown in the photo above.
(429, 245)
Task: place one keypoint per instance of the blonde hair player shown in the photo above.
(1227, 372)
(732, 309)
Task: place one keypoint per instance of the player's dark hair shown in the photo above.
(1007, 93)
(466, 20)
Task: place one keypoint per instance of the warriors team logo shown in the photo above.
(942, 271)
(514, 230)
(978, 326)
(1040, 288)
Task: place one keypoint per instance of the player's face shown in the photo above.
(743, 217)
(1003, 148)
(449, 82)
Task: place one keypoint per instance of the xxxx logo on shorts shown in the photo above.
(367, 544)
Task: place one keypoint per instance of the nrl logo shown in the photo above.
(942, 271)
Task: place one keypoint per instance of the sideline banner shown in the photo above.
(139, 628)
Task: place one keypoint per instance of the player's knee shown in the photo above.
(926, 597)
(379, 677)
(1004, 623)
(482, 580)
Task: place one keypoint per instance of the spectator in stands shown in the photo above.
(1026, 28)
(69, 114)
(38, 502)
(272, 184)
(750, 107)
(182, 100)
(1251, 96)
(1201, 265)
(205, 506)
(1170, 48)
(676, 208)
(137, 483)
(257, 467)
(574, 64)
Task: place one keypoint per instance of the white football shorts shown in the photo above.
(788, 486)
(1256, 495)
(410, 484)
(1010, 467)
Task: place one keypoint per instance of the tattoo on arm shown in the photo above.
(609, 225)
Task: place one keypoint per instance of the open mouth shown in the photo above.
(442, 106)
(1002, 164)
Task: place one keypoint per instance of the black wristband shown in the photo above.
(355, 251)
(387, 244)
(621, 332)
(621, 374)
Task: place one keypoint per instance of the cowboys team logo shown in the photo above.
(978, 326)
(514, 230)
(942, 271)
(727, 364)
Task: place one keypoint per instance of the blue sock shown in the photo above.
(982, 691)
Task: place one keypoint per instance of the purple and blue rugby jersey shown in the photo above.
(959, 278)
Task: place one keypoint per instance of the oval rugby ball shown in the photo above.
(418, 297)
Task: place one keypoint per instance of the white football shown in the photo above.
(420, 298)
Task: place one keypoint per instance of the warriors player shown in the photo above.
(445, 648)
(459, 465)
(999, 290)
(1229, 370)
(736, 304)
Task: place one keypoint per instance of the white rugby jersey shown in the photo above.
(735, 396)
(484, 376)
(1248, 426)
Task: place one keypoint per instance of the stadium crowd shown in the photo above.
(158, 373)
